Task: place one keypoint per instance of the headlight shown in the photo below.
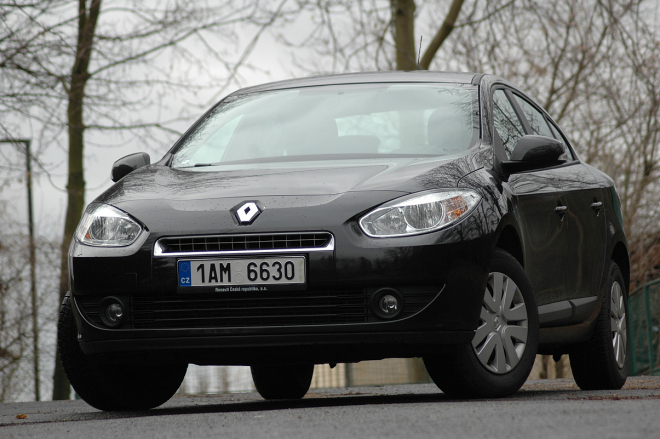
(106, 226)
(420, 213)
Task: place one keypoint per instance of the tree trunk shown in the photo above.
(76, 183)
(442, 34)
(403, 16)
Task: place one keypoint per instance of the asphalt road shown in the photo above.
(542, 409)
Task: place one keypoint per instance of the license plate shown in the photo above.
(241, 272)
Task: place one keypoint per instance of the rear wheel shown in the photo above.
(113, 386)
(282, 381)
(498, 360)
(603, 362)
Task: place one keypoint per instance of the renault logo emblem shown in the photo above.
(246, 212)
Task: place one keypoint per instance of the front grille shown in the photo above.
(241, 309)
(220, 243)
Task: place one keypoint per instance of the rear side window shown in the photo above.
(506, 121)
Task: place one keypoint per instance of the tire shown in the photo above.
(282, 381)
(500, 357)
(113, 386)
(603, 362)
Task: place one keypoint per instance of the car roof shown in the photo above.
(366, 78)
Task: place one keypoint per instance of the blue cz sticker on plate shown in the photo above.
(184, 274)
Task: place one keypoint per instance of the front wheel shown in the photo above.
(501, 355)
(282, 381)
(603, 362)
(113, 386)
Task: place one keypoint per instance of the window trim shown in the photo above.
(555, 127)
(509, 91)
(519, 111)
(516, 110)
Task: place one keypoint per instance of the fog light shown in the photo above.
(387, 303)
(112, 312)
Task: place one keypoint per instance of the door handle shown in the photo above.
(597, 205)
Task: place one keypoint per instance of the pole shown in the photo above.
(33, 278)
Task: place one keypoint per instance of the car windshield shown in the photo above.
(334, 122)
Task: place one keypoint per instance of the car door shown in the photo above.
(582, 202)
(587, 228)
(537, 197)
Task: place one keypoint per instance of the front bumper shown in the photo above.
(440, 276)
(317, 348)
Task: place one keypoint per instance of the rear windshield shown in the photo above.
(335, 122)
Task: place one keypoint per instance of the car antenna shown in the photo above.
(419, 54)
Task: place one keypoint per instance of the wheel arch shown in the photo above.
(621, 258)
(509, 240)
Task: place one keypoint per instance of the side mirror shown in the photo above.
(125, 165)
(534, 152)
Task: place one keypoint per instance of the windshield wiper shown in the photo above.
(197, 165)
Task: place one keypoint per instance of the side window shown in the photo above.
(506, 121)
(560, 137)
(535, 118)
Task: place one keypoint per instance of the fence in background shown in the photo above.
(644, 309)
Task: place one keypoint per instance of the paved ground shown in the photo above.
(543, 409)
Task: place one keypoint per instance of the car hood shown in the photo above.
(334, 191)
(289, 179)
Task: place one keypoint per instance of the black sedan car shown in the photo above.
(348, 218)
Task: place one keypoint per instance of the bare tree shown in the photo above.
(345, 36)
(14, 315)
(403, 16)
(84, 65)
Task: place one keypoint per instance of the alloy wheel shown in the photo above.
(618, 324)
(501, 337)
